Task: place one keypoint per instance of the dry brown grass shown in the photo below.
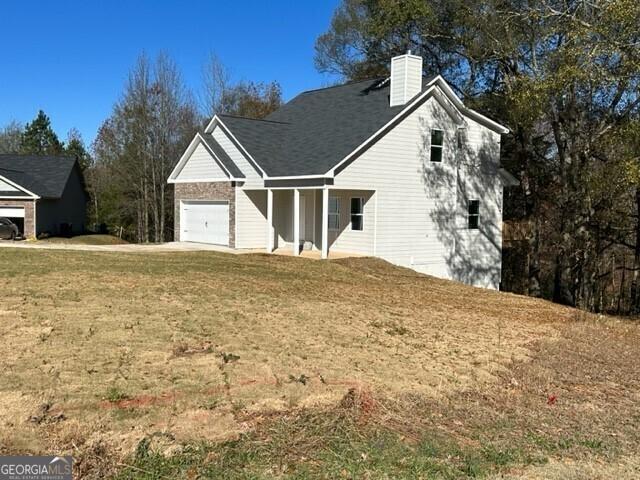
(93, 239)
(205, 346)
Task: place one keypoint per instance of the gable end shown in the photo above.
(199, 164)
(433, 91)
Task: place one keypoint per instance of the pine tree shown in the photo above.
(75, 148)
(39, 138)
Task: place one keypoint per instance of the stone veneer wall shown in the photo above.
(29, 214)
(217, 191)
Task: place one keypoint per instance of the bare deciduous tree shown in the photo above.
(140, 143)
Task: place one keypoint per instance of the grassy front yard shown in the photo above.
(197, 365)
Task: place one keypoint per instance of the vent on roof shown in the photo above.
(406, 78)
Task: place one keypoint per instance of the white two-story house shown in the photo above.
(396, 168)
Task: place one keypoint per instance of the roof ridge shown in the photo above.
(346, 84)
(33, 155)
(254, 119)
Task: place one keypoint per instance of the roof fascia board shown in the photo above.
(207, 180)
(297, 177)
(450, 108)
(19, 187)
(446, 88)
(298, 182)
(212, 124)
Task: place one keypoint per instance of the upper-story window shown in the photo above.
(474, 214)
(437, 144)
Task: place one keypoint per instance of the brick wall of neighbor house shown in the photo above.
(221, 191)
(29, 214)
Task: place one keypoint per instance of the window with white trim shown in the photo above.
(474, 214)
(357, 213)
(334, 213)
(437, 145)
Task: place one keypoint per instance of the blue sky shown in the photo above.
(71, 58)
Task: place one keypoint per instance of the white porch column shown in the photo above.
(325, 223)
(296, 221)
(270, 232)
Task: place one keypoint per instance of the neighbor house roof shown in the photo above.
(45, 176)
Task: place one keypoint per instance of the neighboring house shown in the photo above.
(395, 168)
(43, 194)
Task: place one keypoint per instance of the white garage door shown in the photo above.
(205, 222)
(12, 212)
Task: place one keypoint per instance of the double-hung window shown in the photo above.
(474, 214)
(334, 213)
(437, 145)
(357, 213)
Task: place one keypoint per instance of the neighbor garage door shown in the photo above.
(11, 212)
(205, 222)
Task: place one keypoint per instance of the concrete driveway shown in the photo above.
(165, 247)
(129, 247)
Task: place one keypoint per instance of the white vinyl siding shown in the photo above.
(202, 165)
(406, 79)
(414, 77)
(479, 180)
(252, 177)
(5, 187)
(334, 213)
(283, 217)
(345, 239)
(419, 208)
(251, 218)
(308, 213)
(397, 90)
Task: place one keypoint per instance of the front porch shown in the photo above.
(319, 222)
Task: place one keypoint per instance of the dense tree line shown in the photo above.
(563, 75)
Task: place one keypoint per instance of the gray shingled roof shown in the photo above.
(313, 132)
(46, 176)
(224, 158)
(264, 140)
